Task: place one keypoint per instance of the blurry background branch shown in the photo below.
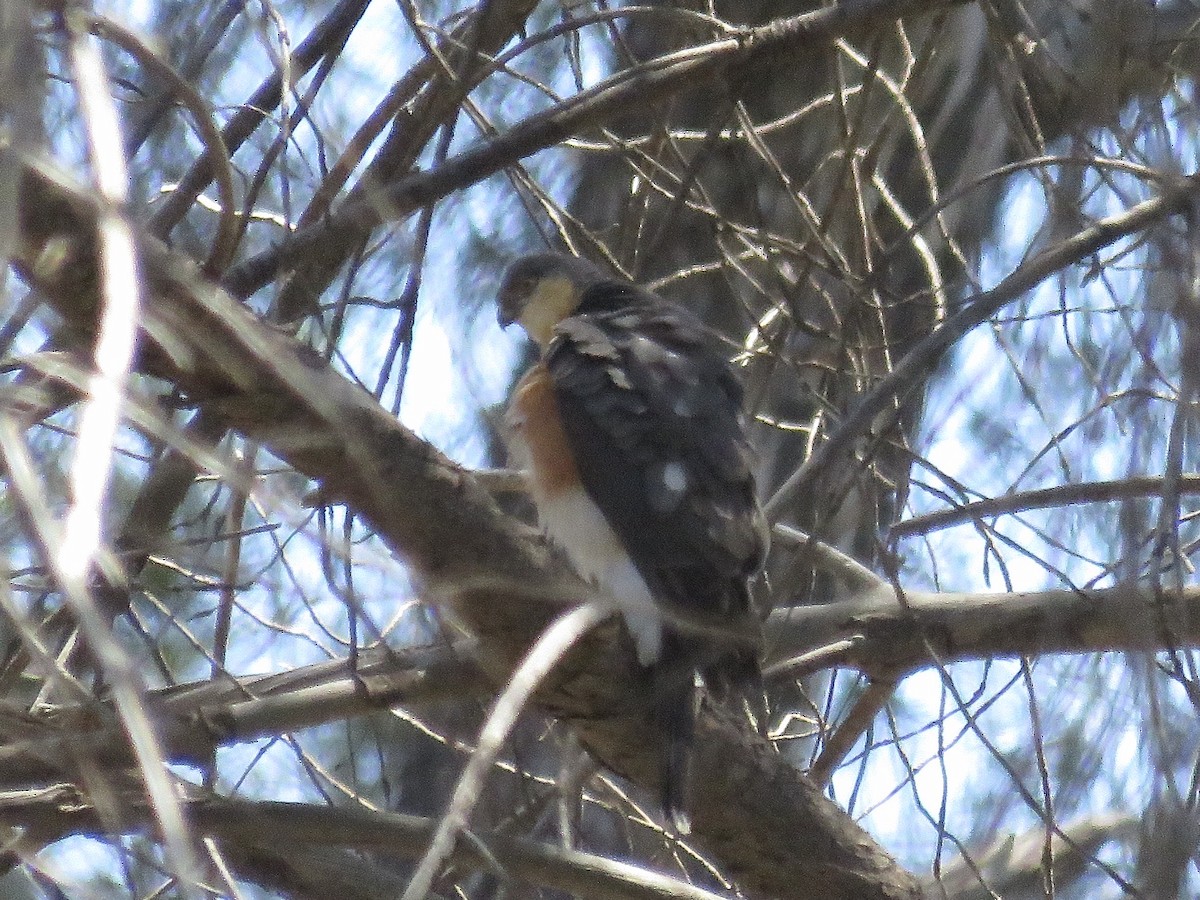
(256, 830)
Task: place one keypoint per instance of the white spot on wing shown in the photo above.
(665, 486)
(575, 523)
(674, 477)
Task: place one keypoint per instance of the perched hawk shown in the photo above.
(640, 470)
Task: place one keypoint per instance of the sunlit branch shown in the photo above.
(1058, 496)
(551, 647)
(895, 636)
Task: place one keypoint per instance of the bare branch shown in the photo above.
(117, 329)
(895, 637)
(1013, 865)
(564, 633)
(855, 724)
(909, 373)
(291, 830)
(1061, 495)
(857, 577)
(197, 719)
(639, 86)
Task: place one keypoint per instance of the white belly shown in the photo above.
(575, 523)
(571, 518)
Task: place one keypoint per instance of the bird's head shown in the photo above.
(541, 290)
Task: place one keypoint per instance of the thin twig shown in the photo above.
(827, 557)
(564, 633)
(1060, 495)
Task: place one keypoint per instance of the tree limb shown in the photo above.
(812, 477)
(1042, 498)
(1013, 866)
(895, 635)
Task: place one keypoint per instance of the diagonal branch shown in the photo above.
(909, 373)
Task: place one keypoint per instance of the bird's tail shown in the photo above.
(726, 657)
(675, 709)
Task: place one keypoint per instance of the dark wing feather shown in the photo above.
(653, 413)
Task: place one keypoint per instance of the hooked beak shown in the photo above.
(508, 307)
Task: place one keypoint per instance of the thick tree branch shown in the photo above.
(194, 720)
(774, 831)
(896, 634)
(875, 632)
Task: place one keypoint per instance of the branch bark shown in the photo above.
(876, 633)
(900, 633)
(195, 720)
(1013, 866)
(1060, 495)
